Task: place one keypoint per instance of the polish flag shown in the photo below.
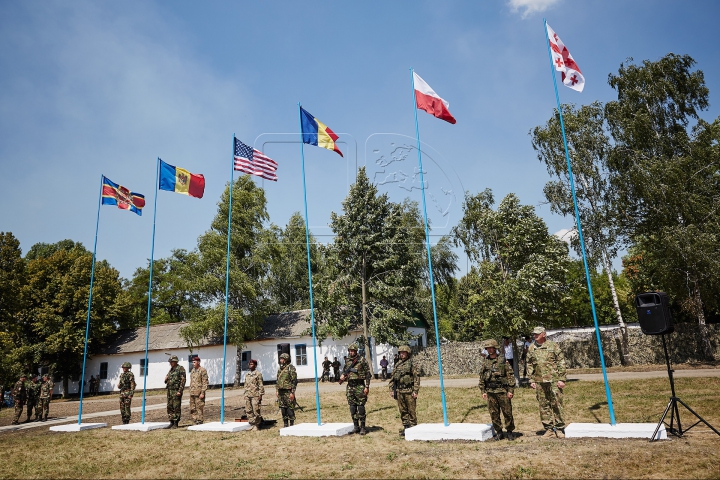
(571, 75)
(428, 100)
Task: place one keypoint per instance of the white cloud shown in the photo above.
(528, 7)
(566, 234)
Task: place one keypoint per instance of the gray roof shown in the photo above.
(286, 325)
(162, 337)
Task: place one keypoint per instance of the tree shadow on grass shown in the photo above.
(470, 410)
(596, 407)
(381, 409)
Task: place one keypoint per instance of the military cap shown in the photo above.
(196, 358)
(285, 356)
(404, 348)
(491, 343)
(353, 346)
(173, 358)
(252, 360)
(127, 365)
(538, 330)
(22, 375)
(46, 375)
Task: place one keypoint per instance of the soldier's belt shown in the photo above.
(495, 385)
(356, 382)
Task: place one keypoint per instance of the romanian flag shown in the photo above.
(314, 132)
(114, 194)
(179, 180)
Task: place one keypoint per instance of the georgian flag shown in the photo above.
(571, 75)
(426, 99)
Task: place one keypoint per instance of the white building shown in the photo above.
(288, 332)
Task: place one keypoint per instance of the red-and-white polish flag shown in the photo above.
(571, 75)
(426, 99)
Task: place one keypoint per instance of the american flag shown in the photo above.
(253, 162)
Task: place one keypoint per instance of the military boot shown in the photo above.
(549, 433)
(292, 422)
(510, 436)
(560, 433)
(362, 429)
(285, 422)
(357, 426)
(172, 425)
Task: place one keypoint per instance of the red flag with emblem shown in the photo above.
(571, 75)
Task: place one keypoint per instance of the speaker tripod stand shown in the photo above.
(672, 407)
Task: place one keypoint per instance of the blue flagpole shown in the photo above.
(227, 287)
(149, 305)
(580, 235)
(307, 242)
(87, 322)
(427, 243)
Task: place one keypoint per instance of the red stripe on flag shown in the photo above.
(434, 106)
(197, 186)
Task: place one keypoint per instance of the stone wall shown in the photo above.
(580, 349)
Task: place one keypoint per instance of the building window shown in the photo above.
(190, 364)
(300, 355)
(245, 360)
(103, 370)
(282, 348)
(143, 369)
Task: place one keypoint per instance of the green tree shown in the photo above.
(588, 147)
(372, 268)
(666, 175)
(519, 279)
(12, 280)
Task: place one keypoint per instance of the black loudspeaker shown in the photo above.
(653, 309)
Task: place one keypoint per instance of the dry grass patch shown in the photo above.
(383, 454)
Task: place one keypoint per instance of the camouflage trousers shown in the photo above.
(325, 376)
(197, 408)
(44, 407)
(252, 410)
(356, 400)
(550, 400)
(125, 403)
(174, 403)
(499, 402)
(19, 407)
(287, 406)
(33, 405)
(406, 405)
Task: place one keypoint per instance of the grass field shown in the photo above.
(104, 453)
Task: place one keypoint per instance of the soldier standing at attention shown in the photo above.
(19, 394)
(254, 391)
(546, 369)
(33, 392)
(175, 384)
(404, 387)
(46, 389)
(127, 385)
(336, 369)
(198, 386)
(326, 370)
(497, 386)
(285, 389)
(357, 373)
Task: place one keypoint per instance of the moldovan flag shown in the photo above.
(563, 61)
(179, 180)
(114, 194)
(314, 132)
(426, 99)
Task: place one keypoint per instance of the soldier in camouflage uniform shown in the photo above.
(358, 375)
(285, 389)
(546, 369)
(198, 386)
(326, 370)
(254, 391)
(46, 389)
(127, 390)
(33, 392)
(404, 386)
(175, 384)
(19, 394)
(497, 386)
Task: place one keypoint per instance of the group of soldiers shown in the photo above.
(326, 365)
(35, 394)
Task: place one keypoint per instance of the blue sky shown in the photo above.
(91, 88)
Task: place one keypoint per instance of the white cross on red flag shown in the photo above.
(562, 60)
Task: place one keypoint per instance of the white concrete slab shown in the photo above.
(455, 431)
(221, 427)
(141, 427)
(315, 430)
(619, 430)
(74, 427)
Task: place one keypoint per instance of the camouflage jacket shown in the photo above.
(127, 384)
(496, 376)
(46, 389)
(546, 363)
(19, 392)
(33, 391)
(198, 381)
(326, 365)
(254, 384)
(286, 378)
(175, 379)
(407, 376)
(357, 370)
